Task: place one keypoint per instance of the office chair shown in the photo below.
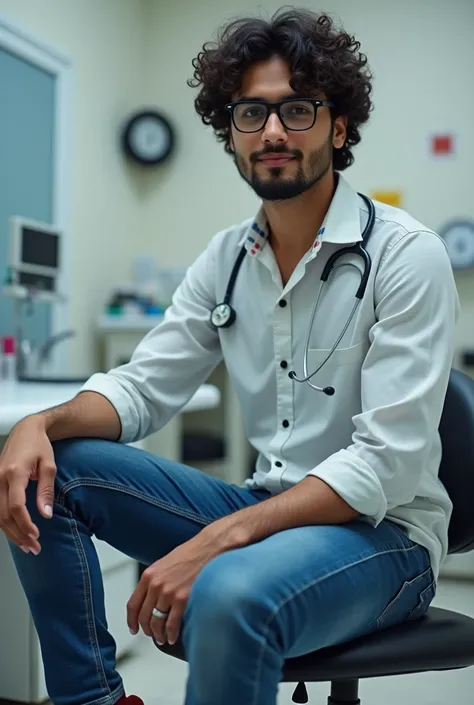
(442, 639)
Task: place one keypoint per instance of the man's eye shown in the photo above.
(299, 110)
(252, 112)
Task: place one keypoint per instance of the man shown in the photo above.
(342, 528)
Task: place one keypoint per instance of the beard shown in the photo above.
(277, 187)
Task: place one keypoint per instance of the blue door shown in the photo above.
(27, 125)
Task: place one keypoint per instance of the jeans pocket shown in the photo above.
(410, 602)
(426, 596)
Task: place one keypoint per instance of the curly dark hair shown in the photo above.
(320, 57)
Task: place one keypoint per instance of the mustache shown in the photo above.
(295, 153)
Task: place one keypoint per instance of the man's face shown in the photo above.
(304, 156)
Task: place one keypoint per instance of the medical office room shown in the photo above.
(111, 187)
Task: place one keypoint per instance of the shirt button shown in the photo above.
(283, 364)
(282, 303)
(285, 423)
(278, 464)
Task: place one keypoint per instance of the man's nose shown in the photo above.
(274, 130)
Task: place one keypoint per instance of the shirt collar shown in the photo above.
(341, 224)
(256, 235)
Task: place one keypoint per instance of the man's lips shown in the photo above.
(275, 159)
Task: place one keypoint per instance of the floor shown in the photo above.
(160, 679)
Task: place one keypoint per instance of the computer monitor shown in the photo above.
(35, 256)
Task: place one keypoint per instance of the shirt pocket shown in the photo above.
(343, 372)
(339, 358)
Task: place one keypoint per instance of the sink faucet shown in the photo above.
(31, 359)
(43, 352)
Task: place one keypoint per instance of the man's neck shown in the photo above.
(294, 223)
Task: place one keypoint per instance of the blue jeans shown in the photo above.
(250, 608)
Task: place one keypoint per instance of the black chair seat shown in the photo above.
(442, 640)
(439, 641)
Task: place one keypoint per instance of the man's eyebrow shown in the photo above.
(258, 98)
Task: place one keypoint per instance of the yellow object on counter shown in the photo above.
(392, 198)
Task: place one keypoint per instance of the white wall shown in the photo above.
(422, 54)
(105, 40)
(127, 53)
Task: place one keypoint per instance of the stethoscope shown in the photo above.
(224, 315)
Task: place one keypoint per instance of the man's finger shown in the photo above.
(134, 606)
(19, 514)
(10, 530)
(146, 613)
(173, 623)
(6, 523)
(158, 625)
(45, 490)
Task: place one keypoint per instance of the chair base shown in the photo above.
(342, 693)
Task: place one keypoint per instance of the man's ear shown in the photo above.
(231, 143)
(339, 134)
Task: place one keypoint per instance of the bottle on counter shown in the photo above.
(8, 359)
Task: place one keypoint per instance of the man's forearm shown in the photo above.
(88, 414)
(309, 502)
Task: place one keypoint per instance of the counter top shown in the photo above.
(127, 323)
(20, 399)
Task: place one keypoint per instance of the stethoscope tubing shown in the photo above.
(226, 319)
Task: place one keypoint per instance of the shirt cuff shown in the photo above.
(353, 480)
(110, 388)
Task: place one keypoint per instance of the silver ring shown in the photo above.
(159, 614)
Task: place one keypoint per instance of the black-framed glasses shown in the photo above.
(294, 114)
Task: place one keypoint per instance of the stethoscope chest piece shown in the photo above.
(223, 316)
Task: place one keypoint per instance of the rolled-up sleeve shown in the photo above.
(404, 379)
(171, 361)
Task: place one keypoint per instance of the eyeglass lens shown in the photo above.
(295, 115)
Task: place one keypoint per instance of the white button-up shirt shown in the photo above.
(376, 441)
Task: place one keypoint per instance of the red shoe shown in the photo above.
(130, 700)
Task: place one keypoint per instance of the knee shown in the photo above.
(70, 455)
(74, 451)
(225, 594)
(81, 457)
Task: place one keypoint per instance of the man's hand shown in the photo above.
(26, 456)
(166, 585)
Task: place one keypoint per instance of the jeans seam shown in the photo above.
(110, 699)
(184, 513)
(301, 590)
(88, 599)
